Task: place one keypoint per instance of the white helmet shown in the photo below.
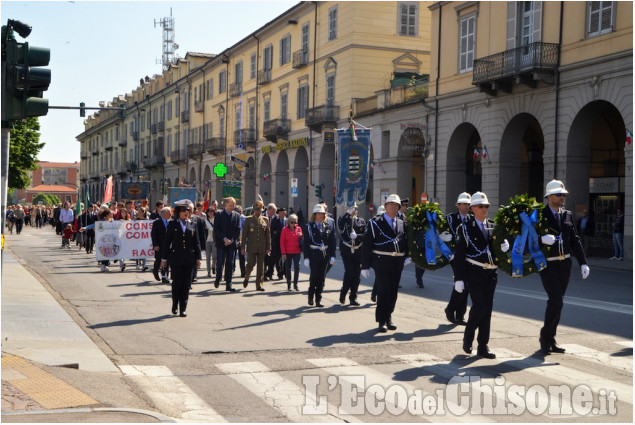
(319, 208)
(479, 198)
(464, 198)
(393, 198)
(555, 186)
(381, 210)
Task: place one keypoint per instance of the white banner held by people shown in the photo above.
(123, 240)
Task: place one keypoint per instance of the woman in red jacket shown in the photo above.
(290, 246)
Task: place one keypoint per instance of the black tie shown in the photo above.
(558, 219)
(485, 232)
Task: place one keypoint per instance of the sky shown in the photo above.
(100, 49)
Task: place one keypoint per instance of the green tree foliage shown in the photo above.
(47, 199)
(23, 151)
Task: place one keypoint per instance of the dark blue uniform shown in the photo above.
(351, 254)
(457, 306)
(319, 247)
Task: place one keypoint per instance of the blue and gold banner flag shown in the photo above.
(353, 165)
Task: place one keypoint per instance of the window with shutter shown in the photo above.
(600, 17)
(408, 18)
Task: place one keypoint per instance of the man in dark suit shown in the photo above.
(226, 234)
(270, 214)
(385, 249)
(159, 227)
(56, 219)
(474, 268)
(586, 229)
(197, 218)
(277, 224)
(555, 278)
(457, 306)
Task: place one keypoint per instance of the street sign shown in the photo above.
(294, 192)
(424, 198)
(240, 161)
(294, 182)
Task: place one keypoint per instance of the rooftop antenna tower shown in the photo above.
(169, 46)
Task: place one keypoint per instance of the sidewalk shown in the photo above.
(37, 330)
(605, 263)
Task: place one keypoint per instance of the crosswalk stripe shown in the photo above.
(278, 392)
(628, 344)
(171, 395)
(568, 375)
(623, 363)
(344, 368)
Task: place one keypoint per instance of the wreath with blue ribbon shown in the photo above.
(522, 224)
(427, 250)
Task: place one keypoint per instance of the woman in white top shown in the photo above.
(210, 247)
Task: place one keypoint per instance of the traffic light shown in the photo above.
(122, 111)
(318, 191)
(24, 82)
(82, 109)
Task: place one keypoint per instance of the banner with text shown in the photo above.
(123, 240)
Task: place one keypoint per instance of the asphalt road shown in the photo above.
(259, 356)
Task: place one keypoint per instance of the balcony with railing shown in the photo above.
(123, 142)
(199, 105)
(108, 145)
(185, 116)
(122, 170)
(95, 150)
(83, 155)
(245, 136)
(131, 166)
(154, 161)
(526, 64)
(273, 129)
(215, 145)
(195, 150)
(320, 116)
(300, 58)
(235, 89)
(264, 76)
(178, 156)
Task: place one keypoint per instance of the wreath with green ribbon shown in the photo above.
(522, 224)
(425, 222)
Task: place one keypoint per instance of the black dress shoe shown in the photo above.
(420, 285)
(461, 322)
(183, 314)
(230, 289)
(310, 302)
(485, 353)
(194, 280)
(373, 298)
(165, 280)
(391, 326)
(545, 346)
(467, 348)
(245, 284)
(355, 303)
(449, 315)
(556, 349)
(260, 289)
(319, 304)
(174, 311)
(342, 298)
(155, 273)
(382, 328)
(216, 283)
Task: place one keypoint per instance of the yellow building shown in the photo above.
(270, 101)
(545, 90)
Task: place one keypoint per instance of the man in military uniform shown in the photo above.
(256, 240)
(351, 229)
(474, 268)
(385, 249)
(455, 311)
(555, 277)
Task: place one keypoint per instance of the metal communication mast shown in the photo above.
(169, 46)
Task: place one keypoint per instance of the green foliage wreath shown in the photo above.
(508, 226)
(417, 226)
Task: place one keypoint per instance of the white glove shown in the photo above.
(306, 262)
(332, 260)
(459, 286)
(548, 239)
(585, 271)
(366, 273)
(407, 261)
(353, 235)
(505, 246)
(445, 236)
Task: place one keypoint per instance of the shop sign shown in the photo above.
(283, 145)
(604, 185)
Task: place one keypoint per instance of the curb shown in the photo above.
(160, 417)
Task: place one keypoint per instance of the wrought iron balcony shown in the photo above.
(95, 150)
(215, 145)
(264, 76)
(526, 64)
(300, 58)
(108, 145)
(195, 150)
(123, 142)
(83, 155)
(95, 175)
(178, 156)
(185, 116)
(122, 171)
(321, 116)
(154, 161)
(199, 106)
(276, 128)
(235, 89)
(245, 136)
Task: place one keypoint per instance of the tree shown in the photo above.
(47, 199)
(23, 150)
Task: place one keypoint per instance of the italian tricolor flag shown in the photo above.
(629, 137)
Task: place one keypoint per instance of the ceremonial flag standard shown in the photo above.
(108, 190)
(353, 166)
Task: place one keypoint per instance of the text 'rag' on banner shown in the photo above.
(353, 165)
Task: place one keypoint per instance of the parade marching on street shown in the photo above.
(268, 356)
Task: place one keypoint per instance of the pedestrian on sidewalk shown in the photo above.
(618, 236)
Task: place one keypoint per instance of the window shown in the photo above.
(238, 119)
(210, 90)
(600, 17)
(333, 23)
(169, 110)
(466, 43)
(239, 72)
(177, 141)
(305, 43)
(283, 105)
(155, 115)
(408, 19)
(252, 70)
(330, 90)
(162, 113)
(221, 125)
(268, 56)
(285, 49)
(169, 143)
(210, 130)
(303, 100)
(177, 105)
(252, 117)
(143, 122)
(222, 81)
(267, 109)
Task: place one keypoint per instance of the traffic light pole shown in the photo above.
(5, 173)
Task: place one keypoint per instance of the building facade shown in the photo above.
(59, 178)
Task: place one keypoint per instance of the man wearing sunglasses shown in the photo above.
(474, 269)
(561, 242)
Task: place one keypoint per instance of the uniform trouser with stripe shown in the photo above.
(352, 269)
(181, 281)
(555, 279)
(318, 263)
(482, 293)
(387, 287)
